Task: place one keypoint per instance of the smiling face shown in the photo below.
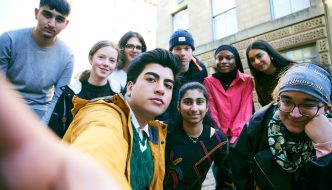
(49, 22)
(294, 121)
(193, 107)
(225, 61)
(103, 63)
(261, 61)
(151, 94)
(131, 53)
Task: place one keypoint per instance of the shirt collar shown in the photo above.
(137, 126)
(240, 75)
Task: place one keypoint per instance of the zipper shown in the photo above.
(261, 169)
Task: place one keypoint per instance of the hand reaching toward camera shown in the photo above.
(32, 158)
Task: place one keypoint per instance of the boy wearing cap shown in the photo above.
(36, 61)
(182, 44)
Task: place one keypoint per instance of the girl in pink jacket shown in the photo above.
(230, 92)
(230, 99)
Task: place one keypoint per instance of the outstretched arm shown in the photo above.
(31, 157)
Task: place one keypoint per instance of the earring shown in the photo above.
(271, 58)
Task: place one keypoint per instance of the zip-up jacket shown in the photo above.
(61, 116)
(103, 129)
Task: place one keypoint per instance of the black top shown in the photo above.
(195, 73)
(90, 91)
(264, 86)
(225, 78)
(189, 159)
(61, 116)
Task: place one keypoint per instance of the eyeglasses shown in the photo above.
(309, 110)
(132, 47)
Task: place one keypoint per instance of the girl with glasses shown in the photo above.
(131, 44)
(288, 143)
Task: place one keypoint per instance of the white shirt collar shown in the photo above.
(137, 126)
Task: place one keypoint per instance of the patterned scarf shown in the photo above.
(280, 147)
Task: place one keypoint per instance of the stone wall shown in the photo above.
(309, 31)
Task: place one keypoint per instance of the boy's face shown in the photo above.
(185, 53)
(151, 94)
(50, 22)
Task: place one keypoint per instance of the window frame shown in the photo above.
(290, 3)
(225, 13)
(174, 28)
(313, 58)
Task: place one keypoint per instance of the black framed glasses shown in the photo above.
(132, 47)
(309, 110)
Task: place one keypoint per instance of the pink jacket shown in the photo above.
(230, 109)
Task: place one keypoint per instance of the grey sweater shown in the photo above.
(36, 72)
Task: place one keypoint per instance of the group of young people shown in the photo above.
(155, 119)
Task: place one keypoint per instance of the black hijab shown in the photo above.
(227, 78)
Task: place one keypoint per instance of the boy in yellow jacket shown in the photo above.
(119, 132)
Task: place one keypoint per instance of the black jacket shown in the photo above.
(196, 73)
(253, 164)
(62, 116)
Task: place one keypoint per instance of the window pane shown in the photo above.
(284, 7)
(220, 6)
(227, 5)
(178, 1)
(302, 54)
(231, 26)
(181, 20)
(219, 30)
(298, 5)
(225, 24)
(281, 8)
(216, 7)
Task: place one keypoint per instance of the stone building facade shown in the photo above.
(305, 31)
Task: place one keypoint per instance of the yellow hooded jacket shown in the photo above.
(102, 129)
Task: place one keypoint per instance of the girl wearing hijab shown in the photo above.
(230, 98)
(288, 143)
(230, 92)
(266, 65)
